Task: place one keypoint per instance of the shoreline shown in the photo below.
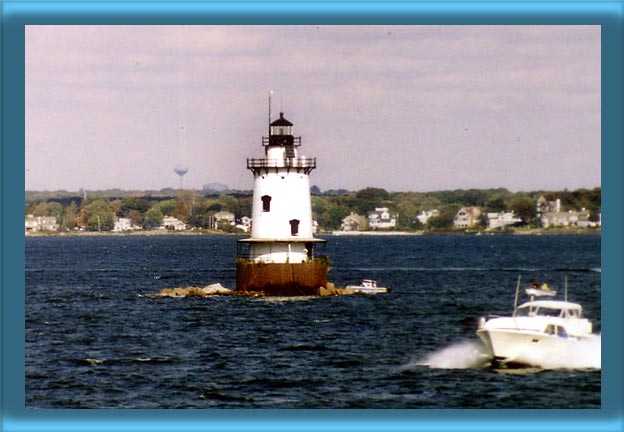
(143, 233)
(530, 232)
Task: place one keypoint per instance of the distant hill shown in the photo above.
(216, 187)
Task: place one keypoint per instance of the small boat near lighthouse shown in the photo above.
(536, 329)
(368, 286)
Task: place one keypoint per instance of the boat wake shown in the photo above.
(585, 354)
(460, 355)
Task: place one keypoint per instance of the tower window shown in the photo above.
(294, 227)
(266, 203)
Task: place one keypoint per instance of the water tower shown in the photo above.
(180, 170)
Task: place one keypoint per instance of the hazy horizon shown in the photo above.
(403, 108)
(250, 190)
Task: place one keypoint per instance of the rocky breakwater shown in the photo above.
(217, 289)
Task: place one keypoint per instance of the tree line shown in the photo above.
(98, 211)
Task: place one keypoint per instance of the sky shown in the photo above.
(403, 108)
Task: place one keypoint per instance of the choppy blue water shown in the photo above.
(92, 342)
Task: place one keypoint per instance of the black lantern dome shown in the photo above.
(281, 133)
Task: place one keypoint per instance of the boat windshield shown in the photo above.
(548, 312)
(538, 311)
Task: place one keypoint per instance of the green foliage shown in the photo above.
(215, 207)
(166, 207)
(407, 211)
(130, 204)
(97, 215)
(181, 211)
(445, 219)
(495, 205)
(153, 218)
(367, 199)
(329, 208)
(524, 208)
(70, 217)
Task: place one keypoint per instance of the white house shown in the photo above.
(353, 222)
(125, 224)
(222, 216)
(171, 223)
(381, 218)
(31, 224)
(40, 223)
(498, 220)
(245, 224)
(567, 219)
(467, 217)
(425, 215)
(544, 206)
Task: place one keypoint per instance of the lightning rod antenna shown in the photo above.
(270, 93)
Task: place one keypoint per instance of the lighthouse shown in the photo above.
(281, 257)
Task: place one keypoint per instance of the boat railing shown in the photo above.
(296, 141)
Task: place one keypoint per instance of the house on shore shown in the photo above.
(125, 224)
(353, 222)
(40, 223)
(173, 224)
(567, 219)
(245, 224)
(502, 219)
(381, 218)
(542, 206)
(467, 217)
(425, 215)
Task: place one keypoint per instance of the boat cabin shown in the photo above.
(555, 309)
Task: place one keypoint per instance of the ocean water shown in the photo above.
(93, 340)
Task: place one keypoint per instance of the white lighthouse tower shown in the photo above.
(279, 258)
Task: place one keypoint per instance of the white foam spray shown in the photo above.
(460, 355)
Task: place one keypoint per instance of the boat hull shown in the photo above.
(523, 348)
(367, 290)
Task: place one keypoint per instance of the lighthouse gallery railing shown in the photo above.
(298, 162)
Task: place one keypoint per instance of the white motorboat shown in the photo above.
(368, 286)
(537, 328)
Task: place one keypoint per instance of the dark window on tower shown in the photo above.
(294, 227)
(266, 203)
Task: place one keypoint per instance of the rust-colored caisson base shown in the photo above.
(282, 279)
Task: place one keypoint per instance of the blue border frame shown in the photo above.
(16, 15)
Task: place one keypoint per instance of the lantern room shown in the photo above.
(281, 126)
(281, 133)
